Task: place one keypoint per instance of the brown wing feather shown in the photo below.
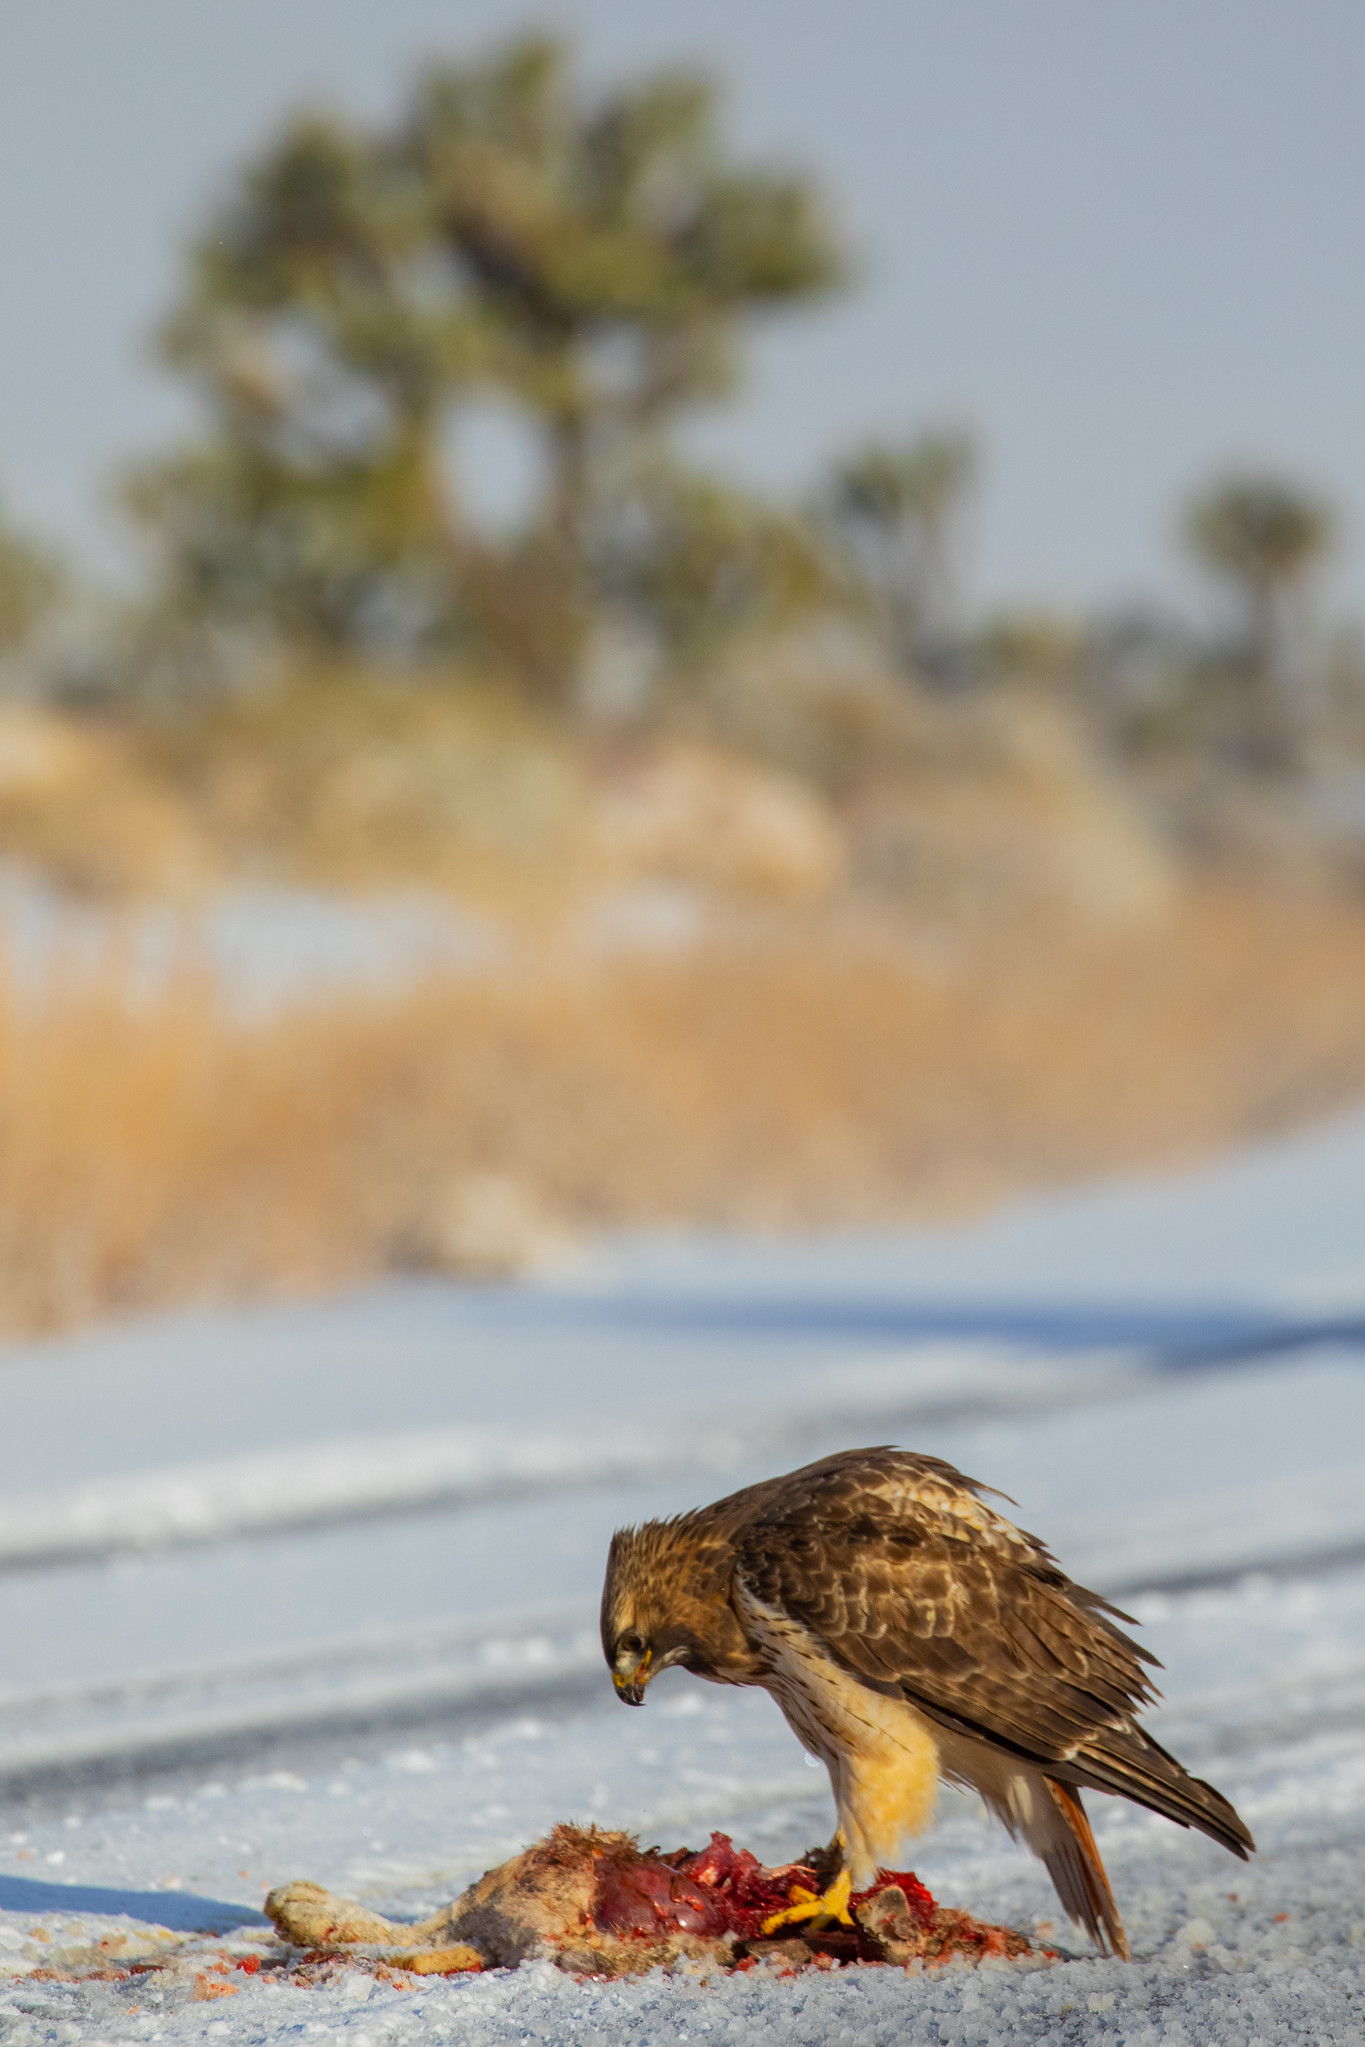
(914, 1585)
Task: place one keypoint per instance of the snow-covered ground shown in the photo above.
(264, 947)
(268, 947)
(310, 1591)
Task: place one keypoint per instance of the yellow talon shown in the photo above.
(831, 1904)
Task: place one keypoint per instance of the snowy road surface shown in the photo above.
(310, 1591)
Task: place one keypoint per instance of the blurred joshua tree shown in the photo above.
(1264, 538)
(595, 262)
(315, 507)
(899, 512)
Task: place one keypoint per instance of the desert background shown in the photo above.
(480, 768)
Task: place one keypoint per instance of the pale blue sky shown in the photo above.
(1123, 239)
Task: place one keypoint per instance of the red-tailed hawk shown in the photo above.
(909, 1633)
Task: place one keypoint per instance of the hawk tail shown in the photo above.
(1126, 1760)
(1073, 1862)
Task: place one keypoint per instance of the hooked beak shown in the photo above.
(630, 1682)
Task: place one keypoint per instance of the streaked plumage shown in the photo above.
(910, 1633)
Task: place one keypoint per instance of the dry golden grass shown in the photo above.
(154, 1151)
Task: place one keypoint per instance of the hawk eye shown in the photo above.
(631, 1643)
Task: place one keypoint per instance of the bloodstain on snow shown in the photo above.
(206, 1989)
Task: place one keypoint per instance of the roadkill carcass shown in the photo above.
(596, 1904)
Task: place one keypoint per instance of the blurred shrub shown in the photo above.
(78, 803)
(348, 777)
(1263, 536)
(693, 814)
(704, 565)
(897, 514)
(357, 777)
(1043, 648)
(1005, 816)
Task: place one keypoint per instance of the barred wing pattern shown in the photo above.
(915, 1586)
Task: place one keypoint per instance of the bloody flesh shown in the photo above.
(721, 1889)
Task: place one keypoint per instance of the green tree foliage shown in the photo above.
(1263, 537)
(898, 511)
(596, 262)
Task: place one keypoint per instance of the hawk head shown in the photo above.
(666, 1600)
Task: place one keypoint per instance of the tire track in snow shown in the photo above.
(85, 1732)
(355, 1479)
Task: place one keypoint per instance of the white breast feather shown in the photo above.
(881, 1754)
